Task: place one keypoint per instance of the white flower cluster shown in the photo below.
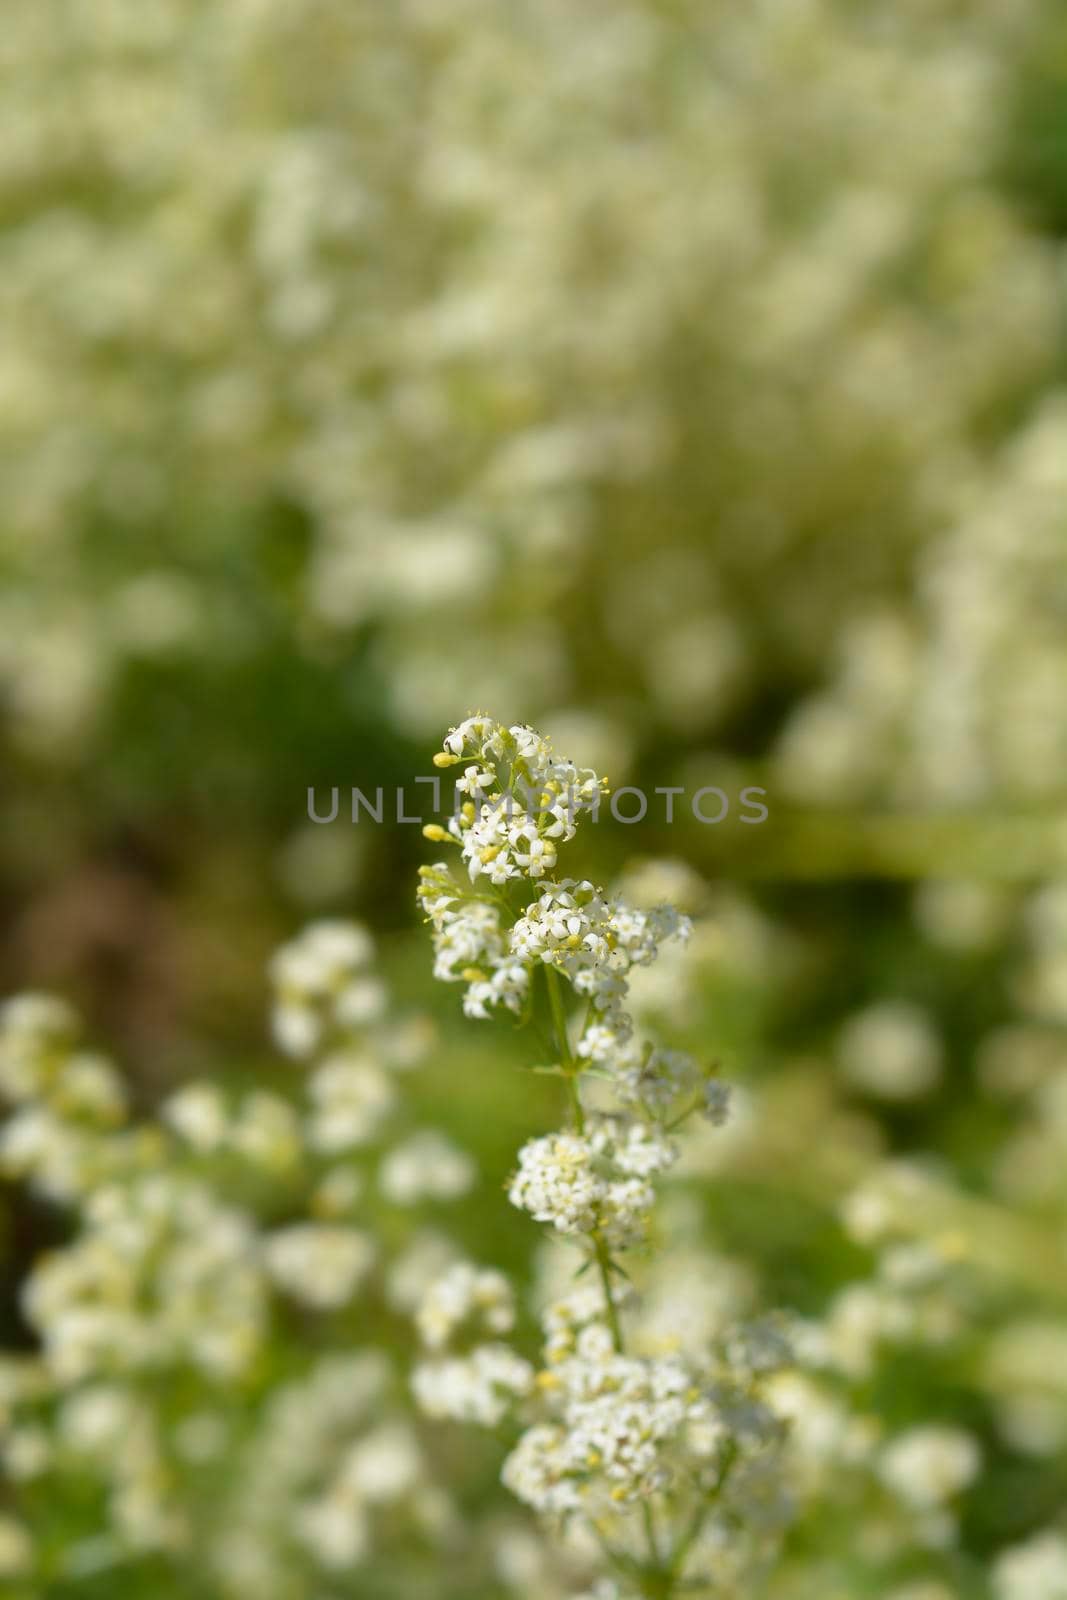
(563, 1319)
(595, 1182)
(68, 1103)
(322, 986)
(327, 1461)
(320, 1264)
(928, 1466)
(570, 927)
(480, 1387)
(381, 1468)
(425, 1166)
(463, 1294)
(198, 1242)
(954, 700)
(608, 1433)
(285, 242)
(522, 801)
(595, 1178)
(482, 1384)
(351, 1098)
(263, 1129)
(470, 945)
(617, 1419)
(161, 1274)
(594, 941)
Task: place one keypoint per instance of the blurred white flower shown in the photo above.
(318, 1263)
(928, 1466)
(426, 1166)
(890, 1050)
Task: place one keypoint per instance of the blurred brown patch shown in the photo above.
(105, 937)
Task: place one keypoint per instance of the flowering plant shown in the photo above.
(667, 1465)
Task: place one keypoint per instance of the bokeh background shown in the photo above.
(686, 379)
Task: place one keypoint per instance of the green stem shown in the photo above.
(559, 1017)
(650, 1531)
(683, 1116)
(603, 1262)
(692, 1532)
(563, 1044)
(576, 1103)
(689, 1537)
